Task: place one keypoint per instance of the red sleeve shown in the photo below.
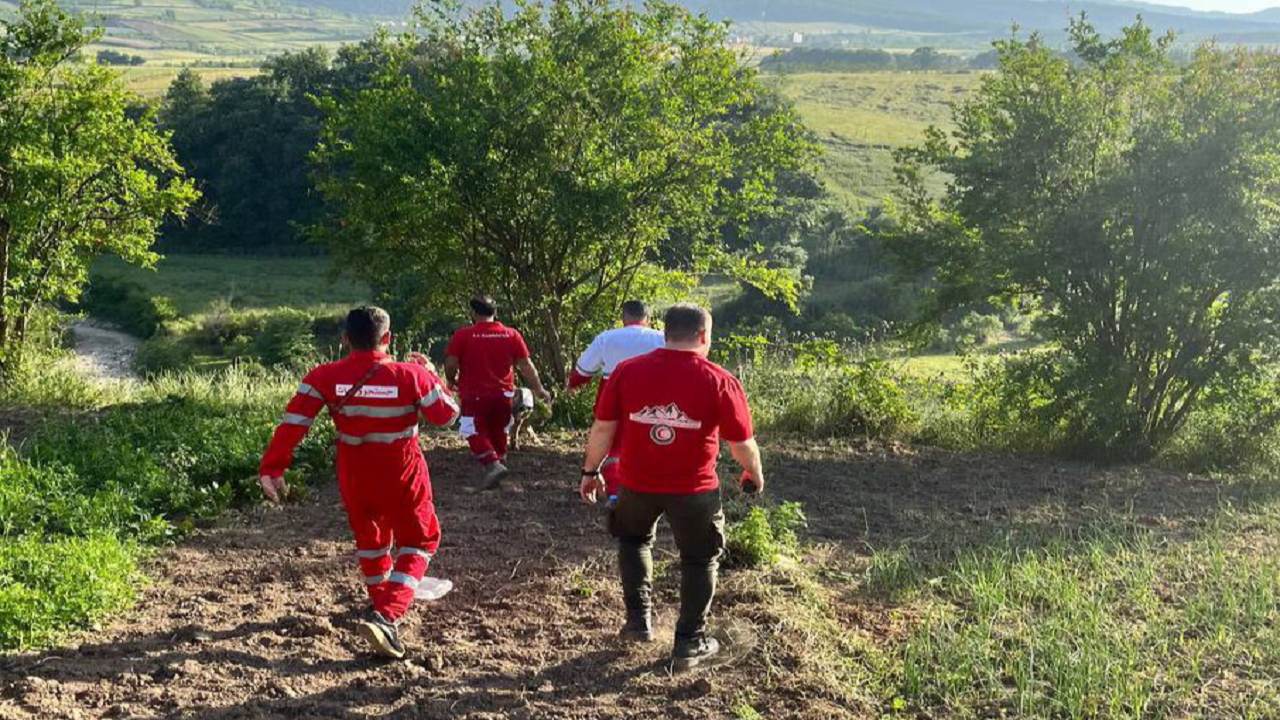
(609, 403)
(435, 404)
(298, 416)
(577, 379)
(456, 344)
(519, 350)
(735, 414)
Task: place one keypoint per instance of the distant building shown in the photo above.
(797, 38)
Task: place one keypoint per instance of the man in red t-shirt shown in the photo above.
(479, 365)
(672, 408)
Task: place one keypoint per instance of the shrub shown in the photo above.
(128, 305)
(1235, 430)
(862, 398)
(287, 338)
(764, 536)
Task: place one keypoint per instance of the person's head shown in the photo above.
(368, 328)
(634, 311)
(688, 327)
(483, 308)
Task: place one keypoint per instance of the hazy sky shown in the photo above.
(1222, 5)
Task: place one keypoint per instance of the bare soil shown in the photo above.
(252, 617)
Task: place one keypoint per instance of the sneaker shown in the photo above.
(382, 635)
(690, 654)
(496, 473)
(637, 630)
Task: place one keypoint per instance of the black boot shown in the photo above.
(637, 628)
(693, 652)
(381, 634)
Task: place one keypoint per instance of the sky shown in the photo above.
(1222, 5)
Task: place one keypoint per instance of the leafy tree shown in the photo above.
(81, 174)
(560, 157)
(1134, 200)
(247, 142)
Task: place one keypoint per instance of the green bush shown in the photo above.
(128, 305)
(287, 338)
(50, 586)
(764, 536)
(862, 398)
(1234, 430)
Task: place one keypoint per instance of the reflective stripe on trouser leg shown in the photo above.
(420, 530)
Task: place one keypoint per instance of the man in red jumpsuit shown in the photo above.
(479, 365)
(375, 404)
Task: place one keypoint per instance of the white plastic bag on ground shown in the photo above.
(433, 588)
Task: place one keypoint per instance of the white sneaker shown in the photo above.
(497, 473)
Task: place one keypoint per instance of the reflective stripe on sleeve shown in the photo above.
(413, 551)
(373, 554)
(378, 438)
(373, 411)
(430, 398)
(296, 419)
(404, 579)
(305, 389)
(376, 579)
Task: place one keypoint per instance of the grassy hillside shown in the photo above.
(861, 118)
(177, 32)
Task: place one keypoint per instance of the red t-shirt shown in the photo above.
(672, 408)
(486, 353)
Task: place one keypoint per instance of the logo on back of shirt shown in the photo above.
(380, 392)
(665, 420)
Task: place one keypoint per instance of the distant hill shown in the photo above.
(988, 18)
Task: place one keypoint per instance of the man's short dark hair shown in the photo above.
(366, 326)
(484, 306)
(636, 309)
(684, 322)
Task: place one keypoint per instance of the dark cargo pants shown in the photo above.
(697, 523)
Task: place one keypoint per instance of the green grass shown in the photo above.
(860, 118)
(202, 284)
(84, 502)
(1100, 621)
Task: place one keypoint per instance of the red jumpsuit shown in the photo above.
(487, 353)
(382, 473)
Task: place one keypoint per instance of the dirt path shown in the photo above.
(253, 618)
(103, 352)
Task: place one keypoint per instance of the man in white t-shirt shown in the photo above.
(611, 347)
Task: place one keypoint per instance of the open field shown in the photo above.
(861, 118)
(198, 283)
(933, 585)
(152, 82)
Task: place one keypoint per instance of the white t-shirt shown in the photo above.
(612, 347)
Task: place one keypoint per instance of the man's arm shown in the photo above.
(436, 405)
(530, 375)
(589, 364)
(747, 454)
(294, 425)
(598, 444)
(451, 366)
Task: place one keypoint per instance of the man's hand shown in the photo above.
(419, 359)
(544, 395)
(751, 484)
(275, 489)
(592, 489)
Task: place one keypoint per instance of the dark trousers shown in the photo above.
(698, 525)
